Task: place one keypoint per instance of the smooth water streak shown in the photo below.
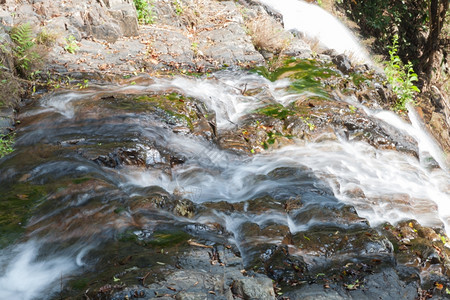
(316, 23)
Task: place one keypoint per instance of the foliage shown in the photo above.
(307, 75)
(268, 34)
(11, 89)
(382, 19)
(401, 77)
(144, 11)
(83, 85)
(6, 144)
(178, 7)
(46, 38)
(276, 111)
(71, 45)
(24, 47)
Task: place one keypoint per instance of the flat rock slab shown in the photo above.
(123, 56)
(204, 35)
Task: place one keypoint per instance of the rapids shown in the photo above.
(321, 173)
(70, 194)
(318, 24)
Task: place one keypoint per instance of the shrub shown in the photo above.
(11, 89)
(24, 45)
(28, 50)
(46, 38)
(144, 11)
(6, 144)
(401, 77)
(71, 45)
(267, 34)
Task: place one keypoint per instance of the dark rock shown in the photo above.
(343, 63)
(315, 292)
(282, 267)
(382, 285)
(385, 285)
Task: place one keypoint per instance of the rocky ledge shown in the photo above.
(103, 39)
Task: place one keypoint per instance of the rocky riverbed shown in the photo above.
(165, 148)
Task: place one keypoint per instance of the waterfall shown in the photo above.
(320, 25)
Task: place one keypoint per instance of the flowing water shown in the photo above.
(73, 199)
(320, 25)
(87, 161)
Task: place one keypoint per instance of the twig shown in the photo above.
(145, 277)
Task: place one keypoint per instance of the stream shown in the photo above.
(109, 182)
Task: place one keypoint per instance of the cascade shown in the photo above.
(318, 24)
(120, 177)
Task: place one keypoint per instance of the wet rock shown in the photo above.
(313, 215)
(293, 204)
(140, 156)
(157, 198)
(422, 248)
(385, 285)
(382, 285)
(202, 276)
(439, 127)
(283, 267)
(315, 292)
(253, 288)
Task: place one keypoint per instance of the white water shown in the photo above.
(26, 276)
(317, 23)
(397, 186)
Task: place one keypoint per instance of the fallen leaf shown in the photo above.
(439, 286)
(192, 243)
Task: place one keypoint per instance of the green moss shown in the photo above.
(15, 208)
(6, 144)
(307, 75)
(79, 283)
(119, 210)
(81, 180)
(168, 238)
(173, 104)
(358, 78)
(277, 111)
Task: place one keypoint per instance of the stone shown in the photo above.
(314, 292)
(298, 48)
(126, 18)
(6, 59)
(107, 32)
(343, 63)
(259, 288)
(191, 296)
